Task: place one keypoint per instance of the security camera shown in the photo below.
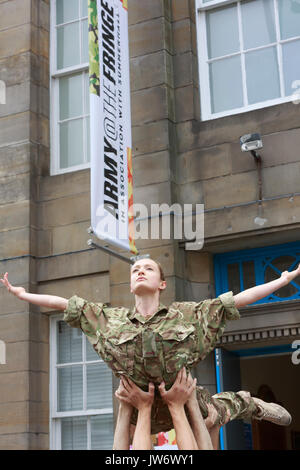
(251, 142)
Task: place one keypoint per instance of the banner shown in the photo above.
(110, 124)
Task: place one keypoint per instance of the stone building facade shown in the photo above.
(177, 158)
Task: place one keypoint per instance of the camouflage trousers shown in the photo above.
(240, 405)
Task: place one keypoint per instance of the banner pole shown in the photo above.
(107, 250)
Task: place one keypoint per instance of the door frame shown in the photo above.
(248, 352)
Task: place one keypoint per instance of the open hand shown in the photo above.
(17, 291)
(212, 419)
(289, 276)
(181, 390)
(130, 393)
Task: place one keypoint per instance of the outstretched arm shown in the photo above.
(133, 395)
(122, 432)
(202, 435)
(212, 426)
(175, 398)
(51, 301)
(259, 292)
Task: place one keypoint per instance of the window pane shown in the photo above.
(99, 386)
(291, 65)
(102, 431)
(74, 433)
(234, 278)
(66, 10)
(69, 341)
(226, 84)
(70, 97)
(262, 75)
(282, 263)
(85, 42)
(86, 94)
(84, 7)
(248, 274)
(69, 388)
(71, 143)
(289, 16)
(91, 354)
(68, 45)
(258, 23)
(88, 156)
(222, 31)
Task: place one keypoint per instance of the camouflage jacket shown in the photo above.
(156, 347)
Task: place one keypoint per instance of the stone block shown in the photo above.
(147, 243)
(39, 70)
(15, 242)
(17, 358)
(190, 193)
(14, 417)
(39, 327)
(182, 36)
(39, 129)
(17, 99)
(94, 288)
(38, 417)
(183, 69)
(14, 327)
(15, 13)
(141, 10)
(67, 184)
(150, 36)
(180, 9)
(238, 220)
(15, 69)
(14, 129)
(203, 164)
(234, 189)
(75, 264)
(152, 194)
(191, 291)
(121, 296)
(184, 103)
(151, 167)
(41, 14)
(39, 41)
(15, 40)
(150, 70)
(68, 238)
(281, 148)
(151, 137)
(15, 160)
(14, 441)
(38, 441)
(14, 386)
(14, 216)
(149, 105)
(281, 179)
(18, 270)
(43, 246)
(65, 211)
(199, 267)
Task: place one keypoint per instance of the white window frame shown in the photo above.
(203, 68)
(55, 74)
(54, 417)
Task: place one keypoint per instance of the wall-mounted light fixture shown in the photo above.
(251, 143)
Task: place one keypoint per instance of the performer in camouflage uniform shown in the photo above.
(152, 342)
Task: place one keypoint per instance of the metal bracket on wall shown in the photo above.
(111, 252)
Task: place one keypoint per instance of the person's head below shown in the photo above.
(147, 277)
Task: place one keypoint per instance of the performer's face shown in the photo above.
(145, 277)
